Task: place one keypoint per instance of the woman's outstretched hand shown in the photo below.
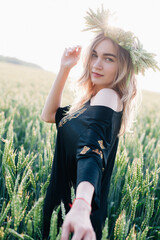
(70, 57)
(78, 221)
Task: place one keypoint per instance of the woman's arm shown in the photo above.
(85, 190)
(69, 59)
(78, 218)
(54, 98)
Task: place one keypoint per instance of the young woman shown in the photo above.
(88, 135)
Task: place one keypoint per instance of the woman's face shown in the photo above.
(104, 64)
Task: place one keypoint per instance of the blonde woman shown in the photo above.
(88, 134)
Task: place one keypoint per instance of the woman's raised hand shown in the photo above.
(70, 57)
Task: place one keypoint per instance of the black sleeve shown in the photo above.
(90, 159)
(60, 113)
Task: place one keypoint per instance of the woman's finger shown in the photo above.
(65, 232)
(78, 235)
(90, 236)
(73, 49)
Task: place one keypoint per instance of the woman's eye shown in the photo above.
(109, 59)
(94, 55)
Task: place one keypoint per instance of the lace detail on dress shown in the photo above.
(101, 144)
(98, 152)
(86, 149)
(71, 116)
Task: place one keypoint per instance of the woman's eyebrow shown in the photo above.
(106, 54)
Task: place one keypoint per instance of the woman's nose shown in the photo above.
(97, 64)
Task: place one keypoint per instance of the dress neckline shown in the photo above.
(102, 106)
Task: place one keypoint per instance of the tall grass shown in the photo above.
(26, 154)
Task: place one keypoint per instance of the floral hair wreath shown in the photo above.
(141, 59)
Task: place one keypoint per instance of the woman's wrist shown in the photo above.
(83, 199)
(65, 68)
(81, 204)
(85, 190)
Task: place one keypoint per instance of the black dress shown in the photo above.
(85, 150)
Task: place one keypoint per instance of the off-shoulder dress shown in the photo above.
(86, 147)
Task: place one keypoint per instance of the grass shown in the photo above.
(26, 154)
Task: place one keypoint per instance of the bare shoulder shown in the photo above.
(109, 98)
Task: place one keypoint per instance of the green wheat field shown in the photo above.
(26, 155)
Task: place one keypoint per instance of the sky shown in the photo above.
(38, 31)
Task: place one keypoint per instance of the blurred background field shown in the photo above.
(26, 154)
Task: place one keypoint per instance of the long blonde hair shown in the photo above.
(124, 84)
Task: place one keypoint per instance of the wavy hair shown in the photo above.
(125, 84)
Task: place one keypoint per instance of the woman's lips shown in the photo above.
(97, 74)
